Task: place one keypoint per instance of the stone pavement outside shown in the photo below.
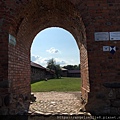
(56, 103)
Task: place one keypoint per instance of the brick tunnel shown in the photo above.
(95, 27)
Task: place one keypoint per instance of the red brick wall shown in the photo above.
(84, 72)
(102, 16)
(24, 19)
(3, 42)
(19, 75)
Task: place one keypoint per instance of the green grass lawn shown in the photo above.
(62, 85)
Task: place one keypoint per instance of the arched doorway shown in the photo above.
(57, 44)
(43, 15)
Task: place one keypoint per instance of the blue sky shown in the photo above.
(55, 43)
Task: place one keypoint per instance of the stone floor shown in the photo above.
(56, 103)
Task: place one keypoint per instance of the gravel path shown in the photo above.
(56, 103)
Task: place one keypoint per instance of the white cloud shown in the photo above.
(39, 60)
(34, 58)
(53, 51)
(60, 62)
(43, 61)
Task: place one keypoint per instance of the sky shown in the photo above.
(56, 43)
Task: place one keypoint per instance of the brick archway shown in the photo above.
(100, 70)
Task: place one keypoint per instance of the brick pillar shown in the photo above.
(85, 89)
(104, 78)
(19, 73)
(103, 67)
(4, 81)
(14, 70)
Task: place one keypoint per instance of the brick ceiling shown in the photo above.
(75, 2)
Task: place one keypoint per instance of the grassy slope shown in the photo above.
(63, 84)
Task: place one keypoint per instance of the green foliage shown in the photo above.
(53, 66)
(72, 67)
(63, 84)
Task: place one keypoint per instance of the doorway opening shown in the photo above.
(55, 95)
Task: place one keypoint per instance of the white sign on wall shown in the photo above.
(106, 48)
(12, 40)
(101, 36)
(114, 36)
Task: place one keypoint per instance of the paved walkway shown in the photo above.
(56, 103)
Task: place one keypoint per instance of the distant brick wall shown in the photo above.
(64, 73)
(49, 74)
(73, 73)
(100, 70)
(70, 73)
(37, 74)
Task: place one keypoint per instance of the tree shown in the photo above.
(69, 67)
(79, 66)
(72, 67)
(58, 71)
(51, 64)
